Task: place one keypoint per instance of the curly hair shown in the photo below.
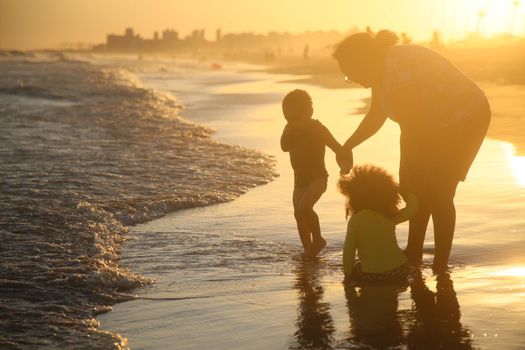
(370, 187)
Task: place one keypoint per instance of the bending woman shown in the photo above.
(443, 117)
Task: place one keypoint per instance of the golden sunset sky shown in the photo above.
(26, 24)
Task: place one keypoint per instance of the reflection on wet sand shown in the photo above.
(374, 319)
(433, 321)
(315, 326)
(436, 316)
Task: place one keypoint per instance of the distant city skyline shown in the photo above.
(37, 24)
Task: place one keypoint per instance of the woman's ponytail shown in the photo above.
(363, 45)
(385, 38)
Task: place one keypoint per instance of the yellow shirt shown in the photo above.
(374, 237)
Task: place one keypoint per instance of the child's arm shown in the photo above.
(287, 138)
(350, 247)
(344, 159)
(409, 210)
(329, 139)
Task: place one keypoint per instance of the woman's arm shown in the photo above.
(408, 211)
(371, 123)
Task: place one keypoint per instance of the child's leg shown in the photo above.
(305, 211)
(302, 224)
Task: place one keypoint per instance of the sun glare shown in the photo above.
(485, 17)
(517, 164)
(513, 272)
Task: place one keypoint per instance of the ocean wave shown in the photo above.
(30, 91)
(75, 176)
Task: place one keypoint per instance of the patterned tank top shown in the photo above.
(444, 95)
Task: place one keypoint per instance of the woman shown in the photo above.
(443, 117)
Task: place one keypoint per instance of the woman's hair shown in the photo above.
(298, 101)
(370, 187)
(365, 44)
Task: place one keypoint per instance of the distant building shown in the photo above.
(197, 36)
(130, 42)
(127, 42)
(170, 38)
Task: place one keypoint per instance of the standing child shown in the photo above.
(305, 139)
(372, 199)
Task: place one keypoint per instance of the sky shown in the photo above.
(36, 24)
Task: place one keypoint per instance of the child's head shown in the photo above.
(297, 106)
(370, 187)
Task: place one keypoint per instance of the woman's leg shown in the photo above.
(444, 218)
(305, 212)
(412, 169)
(452, 161)
(417, 229)
(432, 166)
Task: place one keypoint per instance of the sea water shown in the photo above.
(232, 275)
(85, 152)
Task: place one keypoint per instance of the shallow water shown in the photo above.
(231, 275)
(85, 151)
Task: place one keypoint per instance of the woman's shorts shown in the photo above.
(447, 153)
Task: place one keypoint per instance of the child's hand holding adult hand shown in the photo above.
(345, 160)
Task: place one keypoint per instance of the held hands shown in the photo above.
(345, 159)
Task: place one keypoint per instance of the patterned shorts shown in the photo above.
(399, 274)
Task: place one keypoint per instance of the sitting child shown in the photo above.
(372, 199)
(305, 139)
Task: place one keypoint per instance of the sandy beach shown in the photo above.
(230, 276)
(508, 114)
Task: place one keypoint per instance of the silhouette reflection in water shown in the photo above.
(374, 320)
(436, 316)
(432, 322)
(315, 326)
